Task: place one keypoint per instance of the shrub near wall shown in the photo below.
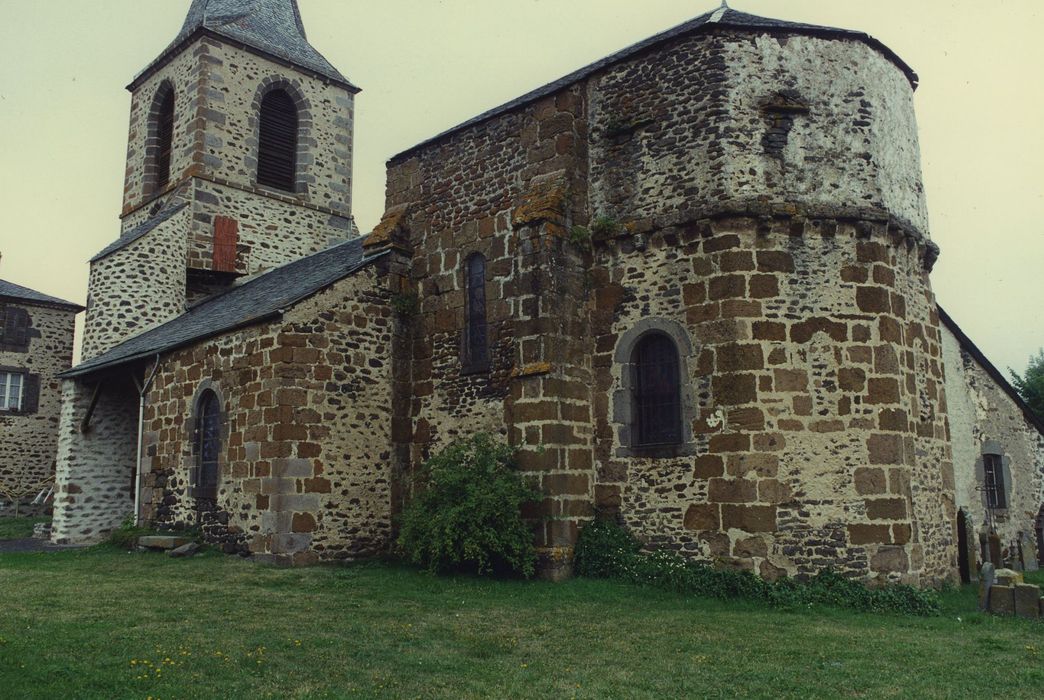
(466, 513)
(606, 550)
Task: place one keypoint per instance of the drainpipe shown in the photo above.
(143, 389)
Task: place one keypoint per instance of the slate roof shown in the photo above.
(724, 17)
(140, 230)
(259, 299)
(973, 350)
(273, 27)
(10, 290)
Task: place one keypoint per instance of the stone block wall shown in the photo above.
(734, 120)
(817, 435)
(137, 287)
(306, 460)
(984, 418)
(507, 189)
(94, 490)
(769, 212)
(29, 445)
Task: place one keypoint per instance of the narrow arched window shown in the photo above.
(657, 392)
(163, 133)
(208, 445)
(476, 332)
(277, 141)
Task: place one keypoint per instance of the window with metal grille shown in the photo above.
(476, 335)
(277, 141)
(657, 392)
(993, 472)
(11, 391)
(208, 445)
(164, 134)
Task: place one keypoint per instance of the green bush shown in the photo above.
(467, 514)
(607, 550)
(126, 536)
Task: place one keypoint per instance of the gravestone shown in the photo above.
(1002, 600)
(987, 576)
(1027, 601)
(1008, 577)
(1029, 551)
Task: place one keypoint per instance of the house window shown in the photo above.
(12, 391)
(476, 329)
(657, 392)
(163, 126)
(14, 329)
(208, 445)
(993, 473)
(277, 141)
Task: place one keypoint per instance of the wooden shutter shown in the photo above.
(277, 142)
(165, 137)
(31, 393)
(14, 330)
(226, 239)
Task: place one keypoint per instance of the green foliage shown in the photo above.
(18, 528)
(1031, 384)
(405, 305)
(606, 550)
(467, 515)
(127, 534)
(605, 226)
(580, 236)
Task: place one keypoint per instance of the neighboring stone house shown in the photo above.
(690, 283)
(998, 457)
(36, 343)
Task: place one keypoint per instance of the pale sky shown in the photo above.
(426, 65)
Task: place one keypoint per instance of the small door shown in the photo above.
(962, 547)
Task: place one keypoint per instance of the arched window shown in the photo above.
(277, 141)
(208, 445)
(162, 130)
(657, 392)
(476, 336)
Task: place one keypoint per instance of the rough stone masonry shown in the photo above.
(746, 191)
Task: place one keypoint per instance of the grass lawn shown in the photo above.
(18, 528)
(106, 624)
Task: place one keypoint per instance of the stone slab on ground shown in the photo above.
(185, 550)
(1002, 600)
(162, 541)
(1027, 601)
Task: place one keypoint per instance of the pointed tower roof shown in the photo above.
(272, 27)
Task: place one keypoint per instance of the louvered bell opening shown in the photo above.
(165, 136)
(277, 142)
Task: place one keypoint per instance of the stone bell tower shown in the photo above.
(239, 159)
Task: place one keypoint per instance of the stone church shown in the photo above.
(690, 282)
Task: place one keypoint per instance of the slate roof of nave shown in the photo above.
(271, 26)
(10, 290)
(724, 17)
(259, 299)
